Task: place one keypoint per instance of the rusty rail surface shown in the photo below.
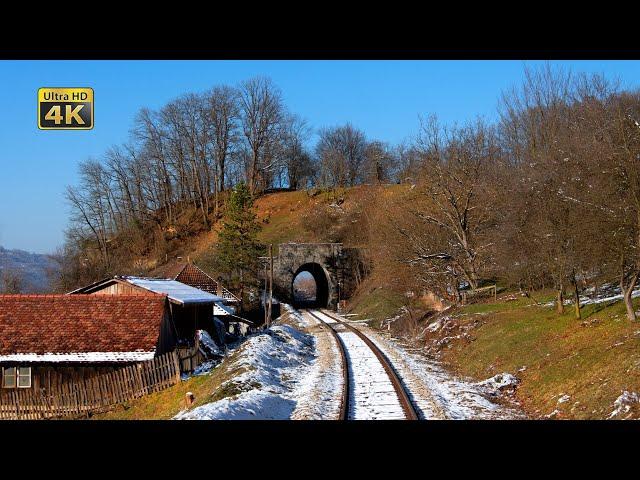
(344, 400)
(407, 406)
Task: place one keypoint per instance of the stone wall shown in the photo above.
(335, 268)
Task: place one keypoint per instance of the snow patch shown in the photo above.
(297, 316)
(499, 383)
(624, 403)
(277, 361)
(251, 405)
(208, 345)
(608, 293)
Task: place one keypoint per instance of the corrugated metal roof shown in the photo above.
(176, 291)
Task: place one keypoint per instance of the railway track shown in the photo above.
(372, 389)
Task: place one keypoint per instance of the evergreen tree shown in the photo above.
(238, 248)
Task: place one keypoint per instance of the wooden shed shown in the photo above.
(190, 274)
(190, 309)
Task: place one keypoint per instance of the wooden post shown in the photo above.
(264, 297)
(270, 282)
(176, 365)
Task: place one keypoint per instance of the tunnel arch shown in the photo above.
(321, 278)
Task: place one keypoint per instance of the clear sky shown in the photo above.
(383, 98)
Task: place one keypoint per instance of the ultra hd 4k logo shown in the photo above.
(65, 108)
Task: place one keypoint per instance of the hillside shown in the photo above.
(566, 368)
(337, 215)
(32, 268)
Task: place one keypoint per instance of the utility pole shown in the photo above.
(270, 281)
(264, 296)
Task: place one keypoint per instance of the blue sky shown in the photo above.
(383, 98)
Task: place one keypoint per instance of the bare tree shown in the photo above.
(224, 113)
(11, 281)
(341, 153)
(457, 185)
(296, 160)
(261, 112)
(380, 162)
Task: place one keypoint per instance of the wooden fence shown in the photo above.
(94, 394)
(469, 295)
(189, 358)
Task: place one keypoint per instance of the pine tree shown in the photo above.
(238, 247)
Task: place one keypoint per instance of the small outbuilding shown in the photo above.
(190, 274)
(190, 308)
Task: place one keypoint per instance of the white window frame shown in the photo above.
(5, 375)
(17, 377)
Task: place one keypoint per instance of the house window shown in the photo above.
(13, 377)
(9, 377)
(24, 377)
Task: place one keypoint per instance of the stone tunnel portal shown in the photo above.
(335, 270)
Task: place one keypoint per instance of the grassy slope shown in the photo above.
(375, 302)
(593, 363)
(281, 217)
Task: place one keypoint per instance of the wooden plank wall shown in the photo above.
(189, 358)
(94, 394)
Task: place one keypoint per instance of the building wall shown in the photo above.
(118, 289)
(49, 376)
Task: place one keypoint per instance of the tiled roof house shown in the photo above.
(74, 335)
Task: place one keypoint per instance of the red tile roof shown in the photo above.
(170, 271)
(192, 275)
(38, 324)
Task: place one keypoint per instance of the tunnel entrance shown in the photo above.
(310, 287)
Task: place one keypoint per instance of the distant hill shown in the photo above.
(32, 267)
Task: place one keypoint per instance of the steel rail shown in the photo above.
(343, 413)
(407, 406)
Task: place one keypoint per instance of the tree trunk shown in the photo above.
(627, 290)
(241, 291)
(560, 301)
(576, 301)
(628, 302)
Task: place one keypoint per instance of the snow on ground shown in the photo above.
(321, 389)
(289, 375)
(437, 393)
(624, 403)
(373, 396)
(277, 362)
(294, 375)
(301, 320)
(208, 344)
(607, 293)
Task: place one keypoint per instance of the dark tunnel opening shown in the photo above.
(310, 287)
